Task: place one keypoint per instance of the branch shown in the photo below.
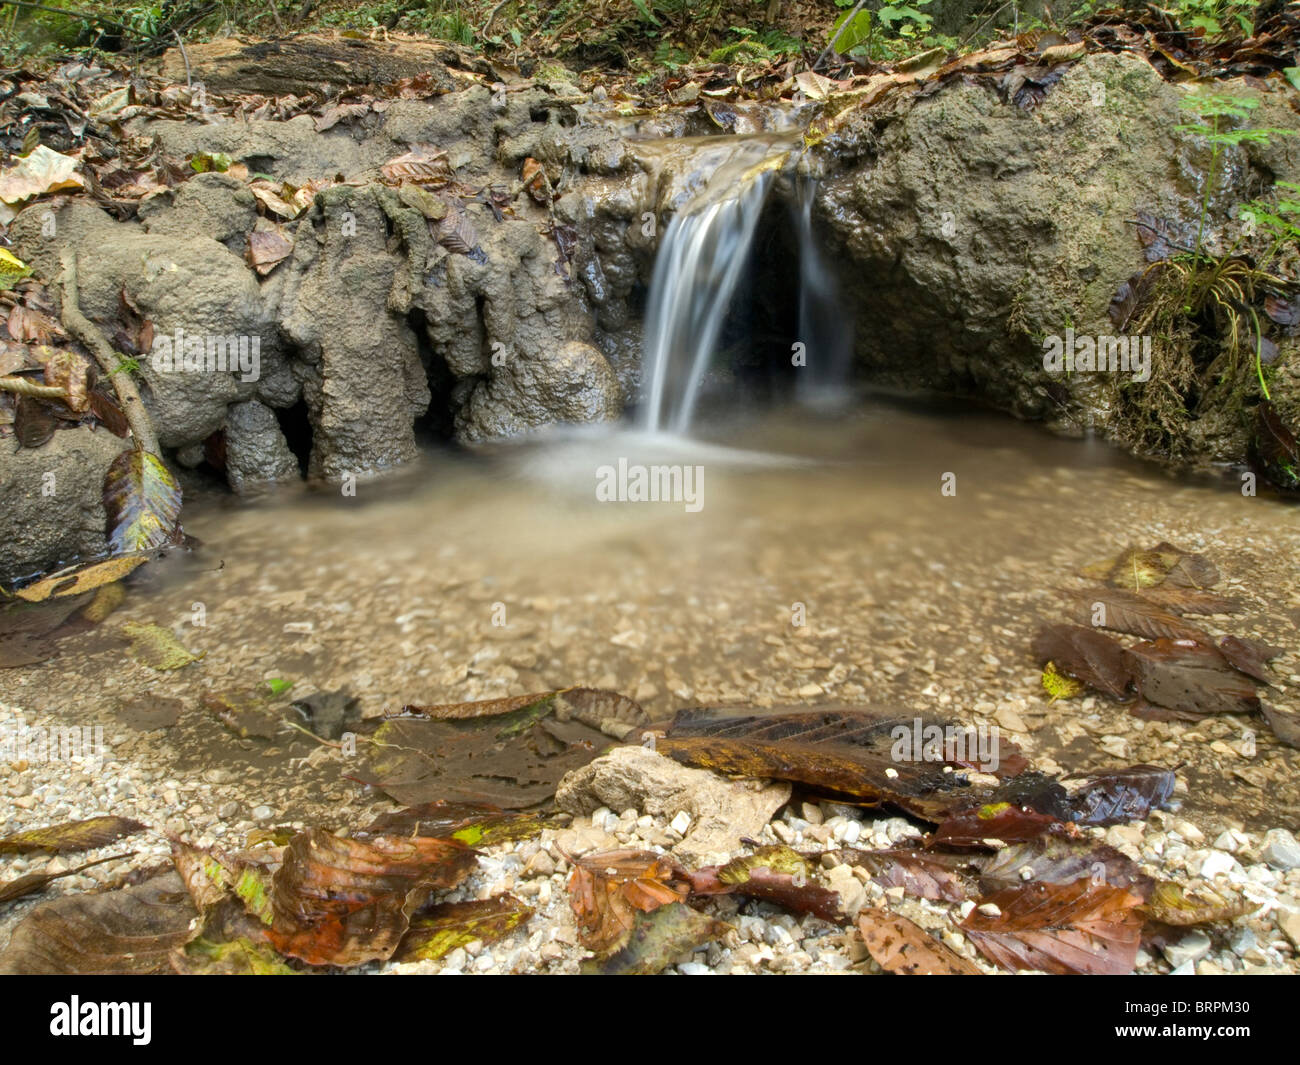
(24, 387)
(81, 327)
(69, 12)
(836, 36)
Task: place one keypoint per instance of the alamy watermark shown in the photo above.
(207, 353)
(68, 744)
(919, 742)
(631, 482)
(1078, 353)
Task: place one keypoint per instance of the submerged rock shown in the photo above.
(718, 811)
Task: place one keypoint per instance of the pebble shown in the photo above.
(1190, 949)
(1281, 850)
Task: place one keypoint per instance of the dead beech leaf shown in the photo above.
(656, 938)
(77, 579)
(1083, 927)
(920, 874)
(1124, 611)
(902, 947)
(607, 890)
(34, 882)
(423, 164)
(131, 930)
(72, 836)
(69, 371)
(1087, 655)
(267, 249)
(346, 902)
(1190, 678)
(776, 874)
(1250, 657)
(1285, 726)
(442, 928)
(42, 171)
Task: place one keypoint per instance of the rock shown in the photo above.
(1288, 923)
(1188, 950)
(968, 235)
(51, 499)
(213, 205)
(1217, 863)
(191, 284)
(1281, 850)
(362, 378)
(571, 383)
(853, 895)
(257, 455)
(721, 811)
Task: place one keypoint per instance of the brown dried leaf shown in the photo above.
(901, 947)
(71, 836)
(607, 890)
(1082, 927)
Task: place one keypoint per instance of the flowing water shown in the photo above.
(701, 261)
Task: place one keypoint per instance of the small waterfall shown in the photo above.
(827, 340)
(702, 258)
(700, 262)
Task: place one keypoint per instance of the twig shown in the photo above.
(81, 327)
(24, 387)
(492, 15)
(830, 46)
(980, 28)
(189, 84)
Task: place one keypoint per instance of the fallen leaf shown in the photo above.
(71, 836)
(901, 947)
(131, 930)
(1169, 904)
(42, 171)
(1087, 655)
(656, 938)
(156, 647)
(1082, 927)
(267, 249)
(34, 882)
(1190, 678)
(347, 902)
(142, 500)
(607, 890)
(441, 929)
(78, 579)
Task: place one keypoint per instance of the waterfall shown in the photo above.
(701, 261)
(827, 340)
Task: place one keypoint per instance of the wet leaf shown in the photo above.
(69, 371)
(1192, 600)
(142, 500)
(1082, 927)
(1138, 568)
(472, 824)
(346, 902)
(777, 875)
(1190, 678)
(1117, 796)
(1285, 726)
(921, 875)
(1275, 448)
(430, 206)
(247, 714)
(1250, 657)
(1060, 686)
(901, 947)
(1087, 655)
(71, 836)
(441, 929)
(457, 234)
(424, 165)
(1122, 611)
(104, 407)
(1002, 821)
(843, 753)
(536, 182)
(233, 957)
(78, 579)
(156, 647)
(606, 891)
(656, 938)
(132, 930)
(210, 162)
(12, 270)
(1056, 859)
(1168, 904)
